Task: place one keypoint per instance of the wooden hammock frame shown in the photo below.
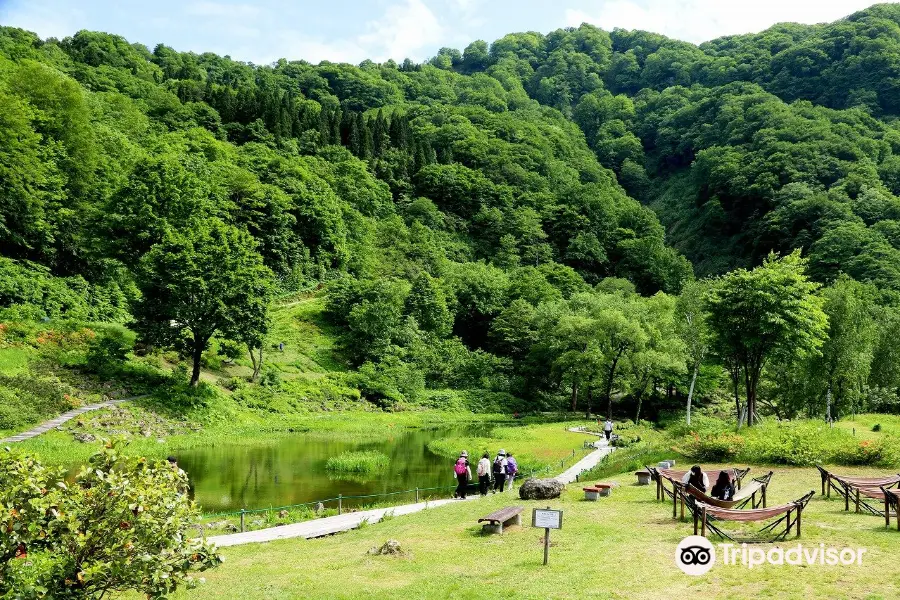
(860, 489)
(660, 476)
(706, 518)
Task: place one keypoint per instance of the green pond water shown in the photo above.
(292, 471)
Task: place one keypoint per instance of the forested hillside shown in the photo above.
(500, 219)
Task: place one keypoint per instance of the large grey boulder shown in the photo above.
(540, 489)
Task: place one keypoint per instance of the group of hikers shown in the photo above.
(497, 475)
(722, 490)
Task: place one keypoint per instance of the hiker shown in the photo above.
(607, 428)
(724, 488)
(512, 468)
(500, 471)
(484, 474)
(463, 474)
(697, 478)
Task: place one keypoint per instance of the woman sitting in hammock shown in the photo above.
(724, 488)
(697, 478)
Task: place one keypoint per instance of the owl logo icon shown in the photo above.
(695, 555)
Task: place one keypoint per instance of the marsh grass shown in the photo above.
(355, 462)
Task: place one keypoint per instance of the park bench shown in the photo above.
(593, 492)
(643, 477)
(494, 522)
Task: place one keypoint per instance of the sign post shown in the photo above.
(548, 519)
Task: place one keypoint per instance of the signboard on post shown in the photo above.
(548, 519)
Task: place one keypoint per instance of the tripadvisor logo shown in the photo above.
(695, 555)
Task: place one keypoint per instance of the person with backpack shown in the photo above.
(463, 475)
(500, 471)
(512, 469)
(608, 428)
(484, 474)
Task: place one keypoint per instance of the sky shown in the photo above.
(263, 31)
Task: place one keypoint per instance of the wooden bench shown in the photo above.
(494, 522)
(643, 477)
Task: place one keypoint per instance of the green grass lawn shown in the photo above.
(620, 547)
(862, 425)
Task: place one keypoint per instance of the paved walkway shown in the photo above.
(53, 423)
(328, 525)
(588, 462)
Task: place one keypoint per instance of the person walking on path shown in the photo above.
(608, 428)
(500, 471)
(512, 468)
(484, 474)
(463, 475)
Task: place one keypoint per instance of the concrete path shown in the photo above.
(325, 526)
(53, 423)
(328, 525)
(588, 462)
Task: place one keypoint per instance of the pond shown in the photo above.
(292, 471)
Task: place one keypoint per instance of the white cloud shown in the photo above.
(223, 10)
(701, 20)
(401, 32)
(47, 21)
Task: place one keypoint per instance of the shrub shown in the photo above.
(712, 448)
(138, 538)
(876, 427)
(26, 399)
(107, 352)
(358, 462)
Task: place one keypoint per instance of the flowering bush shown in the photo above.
(711, 447)
(122, 524)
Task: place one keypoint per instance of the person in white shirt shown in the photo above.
(608, 428)
(697, 478)
(484, 474)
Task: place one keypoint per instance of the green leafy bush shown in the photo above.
(122, 524)
(108, 351)
(790, 443)
(26, 400)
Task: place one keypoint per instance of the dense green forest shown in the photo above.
(582, 218)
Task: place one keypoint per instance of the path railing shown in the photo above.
(340, 498)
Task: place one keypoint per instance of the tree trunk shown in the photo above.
(609, 384)
(736, 381)
(587, 413)
(691, 392)
(197, 355)
(574, 395)
(751, 379)
(828, 404)
(257, 362)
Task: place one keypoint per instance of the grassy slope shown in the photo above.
(621, 547)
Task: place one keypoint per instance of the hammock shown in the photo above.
(709, 517)
(884, 494)
(831, 481)
(745, 496)
(860, 488)
(660, 476)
